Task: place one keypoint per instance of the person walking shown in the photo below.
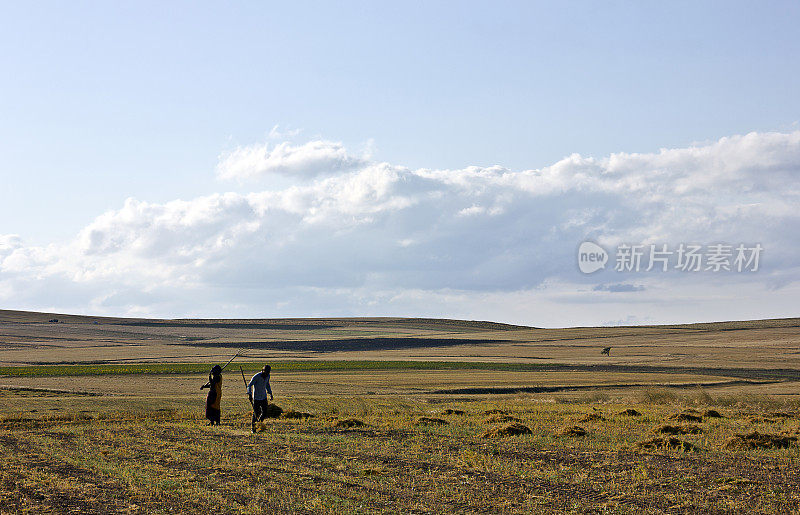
(214, 397)
(257, 390)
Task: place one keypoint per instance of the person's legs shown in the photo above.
(259, 412)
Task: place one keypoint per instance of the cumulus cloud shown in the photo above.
(310, 159)
(358, 237)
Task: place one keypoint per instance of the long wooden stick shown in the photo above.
(229, 361)
(245, 385)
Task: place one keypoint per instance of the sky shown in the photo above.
(446, 159)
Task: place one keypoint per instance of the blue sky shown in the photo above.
(101, 102)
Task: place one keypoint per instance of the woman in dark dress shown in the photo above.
(214, 385)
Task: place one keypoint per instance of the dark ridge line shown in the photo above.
(501, 390)
(353, 344)
(230, 325)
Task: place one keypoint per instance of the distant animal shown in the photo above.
(53, 320)
(606, 351)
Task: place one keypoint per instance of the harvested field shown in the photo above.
(114, 423)
(170, 461)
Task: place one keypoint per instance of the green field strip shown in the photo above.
(278, 366)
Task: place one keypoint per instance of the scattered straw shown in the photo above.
(348, 423)
(666, 442)
(451, 411)
(759, 440)
(760, 419)
(571, 431)
(512, 429)
(500, 419)
(296, 414)
(430, 421)
(689, 429)
(686, 417)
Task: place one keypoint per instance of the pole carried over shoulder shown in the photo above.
(245, 385)
(229, 361)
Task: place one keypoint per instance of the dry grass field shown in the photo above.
(406, 432)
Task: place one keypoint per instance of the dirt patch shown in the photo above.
(630, 412)
(690, 429)
(571, 431)
(686, 417)
(666, 442)
(500, 419)
(759, 440)
(430, 421)
(712, 413)
(348, 423)
(511, 429)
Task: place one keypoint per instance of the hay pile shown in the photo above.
(273, 411)
(687, 416)
(512, 429)
(450, 411)
(590, 417)
(430, 421)
(666, 442)
(348, 423)
(712, 413)
(296, 415)
(500, 419)
(759, 440)
(571, 431)
(690, 429)
(630, 412)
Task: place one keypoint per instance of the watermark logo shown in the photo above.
(591, 257)
(685, 257)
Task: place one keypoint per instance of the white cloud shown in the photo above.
(356, 237)
(311, 159)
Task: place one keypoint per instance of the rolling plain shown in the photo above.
(397, 415)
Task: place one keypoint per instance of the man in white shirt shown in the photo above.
(257, 391)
